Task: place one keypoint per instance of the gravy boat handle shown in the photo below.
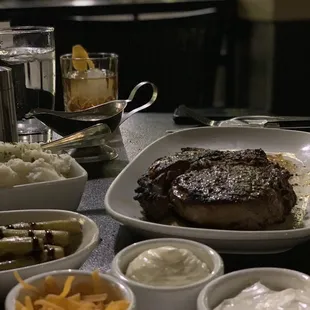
(144, 106)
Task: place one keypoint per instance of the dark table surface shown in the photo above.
(135, 134)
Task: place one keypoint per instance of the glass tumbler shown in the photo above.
(30, 52)
(90, 81)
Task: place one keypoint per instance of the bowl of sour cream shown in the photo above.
(167, 273)
(257, 288)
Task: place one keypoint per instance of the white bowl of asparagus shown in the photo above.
(37, 241)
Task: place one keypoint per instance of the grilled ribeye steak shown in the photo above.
(154, 186)
(180, 161)
(235, 197)
(220, 189)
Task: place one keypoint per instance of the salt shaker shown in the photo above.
(8, 120)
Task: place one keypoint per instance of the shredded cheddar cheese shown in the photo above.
(28, 303)
(18, 305)
(87, 297)
(67, 287)
(24, 284)
(96, 283)
(51, 286)
(117, 305)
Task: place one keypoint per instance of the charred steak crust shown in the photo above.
(154, 186)
(179, 161)
(228, 183)
(227, 196)
(220, 189)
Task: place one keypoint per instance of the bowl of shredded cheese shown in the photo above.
(70, 290)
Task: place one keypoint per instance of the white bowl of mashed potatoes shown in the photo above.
(31, 178)
(167, 273)
(257, 288)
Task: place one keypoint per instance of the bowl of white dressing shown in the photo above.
(167, 273)
(257, 288)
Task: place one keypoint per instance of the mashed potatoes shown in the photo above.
(24, 163)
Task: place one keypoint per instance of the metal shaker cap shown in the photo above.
(6, 78)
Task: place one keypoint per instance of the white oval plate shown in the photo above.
(121, 206)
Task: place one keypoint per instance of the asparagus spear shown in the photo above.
(71, 225)
(56, 237)
(49, 253)
(20, 245)
(17, 263)
(52, 252)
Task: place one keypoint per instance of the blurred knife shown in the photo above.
(205, 120)
(276, 121)
(285, 122)
(251, 120)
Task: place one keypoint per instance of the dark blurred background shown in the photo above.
(215, 54)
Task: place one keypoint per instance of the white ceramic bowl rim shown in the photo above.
(15, 290)
(203, 294)
(216, 258)
(95, 237)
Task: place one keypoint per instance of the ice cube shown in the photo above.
(89, 74)
(95, 74)
(90, 88)
(76, 75)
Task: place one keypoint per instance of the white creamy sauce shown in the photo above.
(167, 266)
(260, 297)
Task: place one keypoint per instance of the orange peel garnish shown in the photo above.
(80, 59)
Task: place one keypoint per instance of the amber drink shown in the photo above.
(89, 81)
